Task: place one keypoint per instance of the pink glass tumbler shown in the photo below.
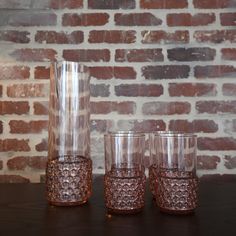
(177, 189)
(124, 180)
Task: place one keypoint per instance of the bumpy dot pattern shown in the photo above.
(177, 192)
(124, 194)
(69, 183)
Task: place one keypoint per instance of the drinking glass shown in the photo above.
(69, 167)
(177, 189)
(125, 179)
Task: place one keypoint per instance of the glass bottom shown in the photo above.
(69, 183)
(177, 212)
(124, 212)
(176, 194)
(124, 195)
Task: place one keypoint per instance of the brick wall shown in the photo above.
(155, 65)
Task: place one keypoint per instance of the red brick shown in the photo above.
(38, 54)
(139, 55)
(207, 162)
(228, 19)
(186, 19)
(142, 90)
(228, 54)
(1, 127)
(216, 107)
(13, 179)
(70, 4)
(7, 145)
(166, 108)
(100, 90)
(14, 72)
(137, 19)
(191, 54)
(87, 55)
(230, 162)
(17, 163)
(41, 5)
(19, 108)
(14, 36)
(23, 127)
(102, 72)
(215, 71)
(192, 89)
(42, 146)
(37, 162)
(101, 126)
(41, 72)
(41, 108)
(229, 89)
(118, 72)
(196, 126)
(28, 18)
(124, 73)
(216, 144)
(215, 36)
(27, 90)
(111, 4)
(163, 4)
(141, 125)
(112, 36)
(214, 4)
(89, 19)
(105, 107)
(165, 72)
(59, 37)
(163, 37)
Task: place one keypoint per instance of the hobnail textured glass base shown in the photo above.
(124, 195)
(177, 192)
(69, 183)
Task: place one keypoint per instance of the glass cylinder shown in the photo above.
(177, 189)
(69, 167)
(153, 161)
(125, 176)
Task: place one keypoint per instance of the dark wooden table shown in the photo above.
(24, 211)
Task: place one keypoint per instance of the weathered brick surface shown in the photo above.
(154, 65)
(186, 19)
(142, 125)
(53, 37)
(196, 126)
(14, 72)
(139, 55)
(163, 4)
(90, 19)
(137, 19)
(163, 37)
(166, 108)
(192, 89)
(207, 162)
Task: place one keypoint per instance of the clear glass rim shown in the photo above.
(66, 62)
(175, 134)
(124, 133)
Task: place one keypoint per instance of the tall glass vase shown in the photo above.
(69, 167)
